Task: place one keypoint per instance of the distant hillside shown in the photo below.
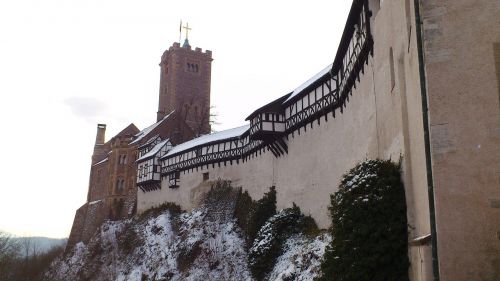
(41, 244)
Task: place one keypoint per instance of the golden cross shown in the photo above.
(187, 28)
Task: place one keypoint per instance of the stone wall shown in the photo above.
(88, 219)
(464, 112)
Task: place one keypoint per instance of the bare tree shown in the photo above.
(204, 116)
(9, 249)
(30, 250)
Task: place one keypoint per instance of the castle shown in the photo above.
(416, 80)
(183, 113)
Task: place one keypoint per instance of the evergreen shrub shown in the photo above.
(251, 215)
(369, 226)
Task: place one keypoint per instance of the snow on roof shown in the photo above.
(102, 161)
(308, 82)
(227, 134)
(139, 136)
(148, 142)
(154, 150)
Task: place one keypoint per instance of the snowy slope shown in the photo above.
(191, 246)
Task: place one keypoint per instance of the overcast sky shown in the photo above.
(66, 65)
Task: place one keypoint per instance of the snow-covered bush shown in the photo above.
(204, 244)
(301, 258)
(268, 244)
(369, 226)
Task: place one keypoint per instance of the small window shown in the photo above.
(393, 74)
(122, 159)
(173, 179)
(496, 53)
(205, 176)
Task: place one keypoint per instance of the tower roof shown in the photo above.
(186, 44)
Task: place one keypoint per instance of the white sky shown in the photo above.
(66, 65)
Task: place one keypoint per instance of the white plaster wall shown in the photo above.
(306, 175)
(379, 122)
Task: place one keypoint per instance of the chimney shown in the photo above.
(101, 131)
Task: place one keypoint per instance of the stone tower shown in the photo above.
(185, 85)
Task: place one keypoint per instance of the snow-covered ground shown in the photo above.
(189, 246)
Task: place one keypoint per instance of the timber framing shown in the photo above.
(332, 90)
(328, 93)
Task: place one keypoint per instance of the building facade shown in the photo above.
(126, 162)
(411, 80)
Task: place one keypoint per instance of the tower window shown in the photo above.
(205, 176)
(192, 67)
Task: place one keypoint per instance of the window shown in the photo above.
(393, 75)
(173, 179)
(408, 21)
(205, 176)
(192, 67)
(122, 159)
(120, 186)
(496, 54)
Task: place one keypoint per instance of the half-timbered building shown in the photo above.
(148, 164)
(383, 96)
(412, 81)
